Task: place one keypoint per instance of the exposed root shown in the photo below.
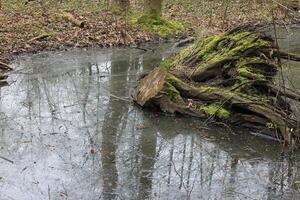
(228, 77)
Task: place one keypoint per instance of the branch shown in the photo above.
(69, 17)
(5, 66)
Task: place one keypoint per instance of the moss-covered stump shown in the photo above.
(228, 77)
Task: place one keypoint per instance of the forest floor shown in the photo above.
(39, 26)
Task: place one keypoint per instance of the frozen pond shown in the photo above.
(68, 130)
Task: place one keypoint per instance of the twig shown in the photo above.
(40, 37)
(6, 159)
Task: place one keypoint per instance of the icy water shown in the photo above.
(68, 130)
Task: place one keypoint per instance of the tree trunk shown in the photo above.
(119, 6)
(153, 7)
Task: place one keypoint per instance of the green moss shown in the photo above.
(214, 49)
(166, 64)
(217, 47)
(184, 53)
(172, 92)
(247, 72)
(172, 79)
(205, 89)
(271, 125)
(209, 45)
(154, 24)
(215, 109)
(220, 46)
(239, 35)
(247, 43)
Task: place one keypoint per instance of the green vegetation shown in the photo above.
(156, 24)
(172, 92)
(166, 64)
(215, 109)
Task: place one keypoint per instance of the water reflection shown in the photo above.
(112, 120)
(289, 39)
(71, 131)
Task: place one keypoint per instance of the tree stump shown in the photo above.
(228, 77)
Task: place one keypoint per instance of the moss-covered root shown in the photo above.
(227, 77)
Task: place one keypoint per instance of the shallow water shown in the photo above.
(68, 130)
(289, 40)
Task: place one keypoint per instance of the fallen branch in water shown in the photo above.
(6, 159)
(3, 77)
(5, 66)
(289, 56)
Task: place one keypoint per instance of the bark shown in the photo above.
(119, 6)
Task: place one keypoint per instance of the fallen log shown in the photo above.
(228, 77)
(70, 18)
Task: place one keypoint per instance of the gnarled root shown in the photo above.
(228, 77)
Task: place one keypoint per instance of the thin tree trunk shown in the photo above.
(119, 6)
(153, 7)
